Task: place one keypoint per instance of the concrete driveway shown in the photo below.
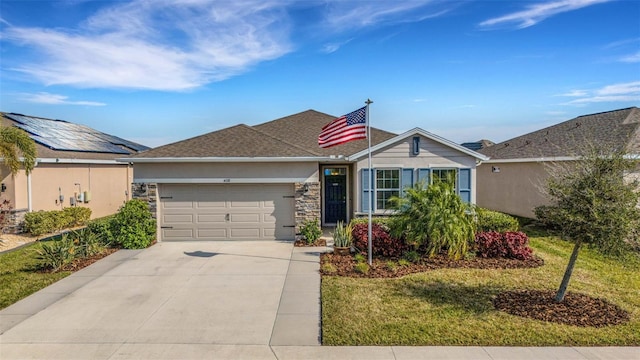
(164, 301)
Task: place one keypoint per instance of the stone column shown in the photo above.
(307, 203)
(146, 192)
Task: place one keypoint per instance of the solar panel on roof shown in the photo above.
(63, 135)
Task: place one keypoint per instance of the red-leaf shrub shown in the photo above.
(510, 244)
(383, 244)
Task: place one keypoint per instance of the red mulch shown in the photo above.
(575, 309)
(344, 265)
(303, 243)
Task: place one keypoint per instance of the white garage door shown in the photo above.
(227, 212)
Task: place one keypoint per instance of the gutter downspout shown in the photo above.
(29, 192)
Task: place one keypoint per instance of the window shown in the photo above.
(387, 186)
(445, 175)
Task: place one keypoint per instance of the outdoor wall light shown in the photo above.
(495, 169)
(305, 188)
(3, 187)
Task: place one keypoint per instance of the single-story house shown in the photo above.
(264, 181)
(514, 179)
(75, 166)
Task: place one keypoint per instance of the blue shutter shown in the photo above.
(406, 180)
(464, 187)
(424, 177)
(365, 196)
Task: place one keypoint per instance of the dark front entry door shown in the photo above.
(335, 195)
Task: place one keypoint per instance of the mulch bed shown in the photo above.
(303, 243)
(344, 265)
(78, 264)
(575, 309)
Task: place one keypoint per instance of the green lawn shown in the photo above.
(454, 306)
(19, 277)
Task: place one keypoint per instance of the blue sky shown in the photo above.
(160, 71)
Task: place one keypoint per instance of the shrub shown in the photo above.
(512, 245)
(44, 222)
(76, 216)
(329, 268)
(102, 229)
(359, 258)
(133, 225)
(411, 256)
(39, 222)
(383, 244)
(382, 220)
(392, 266)
(311, 231)
(86, 242)
(489, 220)
(362, 268)
(404, 262)
(56, 254)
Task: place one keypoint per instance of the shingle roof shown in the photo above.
(291, 136)
(46, 152)
(617, 129)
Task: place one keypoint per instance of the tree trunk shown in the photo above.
(567, 273)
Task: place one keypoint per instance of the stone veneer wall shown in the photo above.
(146, 192)
(307, 204)
(14, 221)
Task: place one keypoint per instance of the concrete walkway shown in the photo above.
(210, 300)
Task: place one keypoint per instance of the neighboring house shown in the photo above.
(75, 167)
(478, 145)
(264, 181)
(514, 179)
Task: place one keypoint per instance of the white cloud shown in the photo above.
(333, 47)
(632, 58)
(159, 45)
(622, 92)
(538, 12)
(56, 99)
(574, 93)
(344, 15)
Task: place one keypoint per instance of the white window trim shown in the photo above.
(375, 188)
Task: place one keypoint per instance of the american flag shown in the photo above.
(352, 126)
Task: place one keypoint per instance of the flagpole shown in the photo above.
(370, 193)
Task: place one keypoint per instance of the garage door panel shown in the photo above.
(249, 233)
(172, 234)
(211, 219)
(178, 218)
(227, 212)
(213, 234)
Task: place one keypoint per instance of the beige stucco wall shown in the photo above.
(517, 189)
(242, 172)
(109, 185)
(432, 155)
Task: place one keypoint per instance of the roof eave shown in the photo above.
(230, 159)
(424, 133)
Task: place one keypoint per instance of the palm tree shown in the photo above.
(17, 149)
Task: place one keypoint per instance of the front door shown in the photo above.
(335, 195)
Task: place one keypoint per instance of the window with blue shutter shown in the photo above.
(365, 195)
(406, 180)
(424, 177)
(464, 187)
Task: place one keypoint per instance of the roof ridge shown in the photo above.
(605, 112)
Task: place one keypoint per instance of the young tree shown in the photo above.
(596, 203)
(14, 144)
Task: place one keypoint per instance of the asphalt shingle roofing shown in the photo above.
(617, 129)
(292, 136)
